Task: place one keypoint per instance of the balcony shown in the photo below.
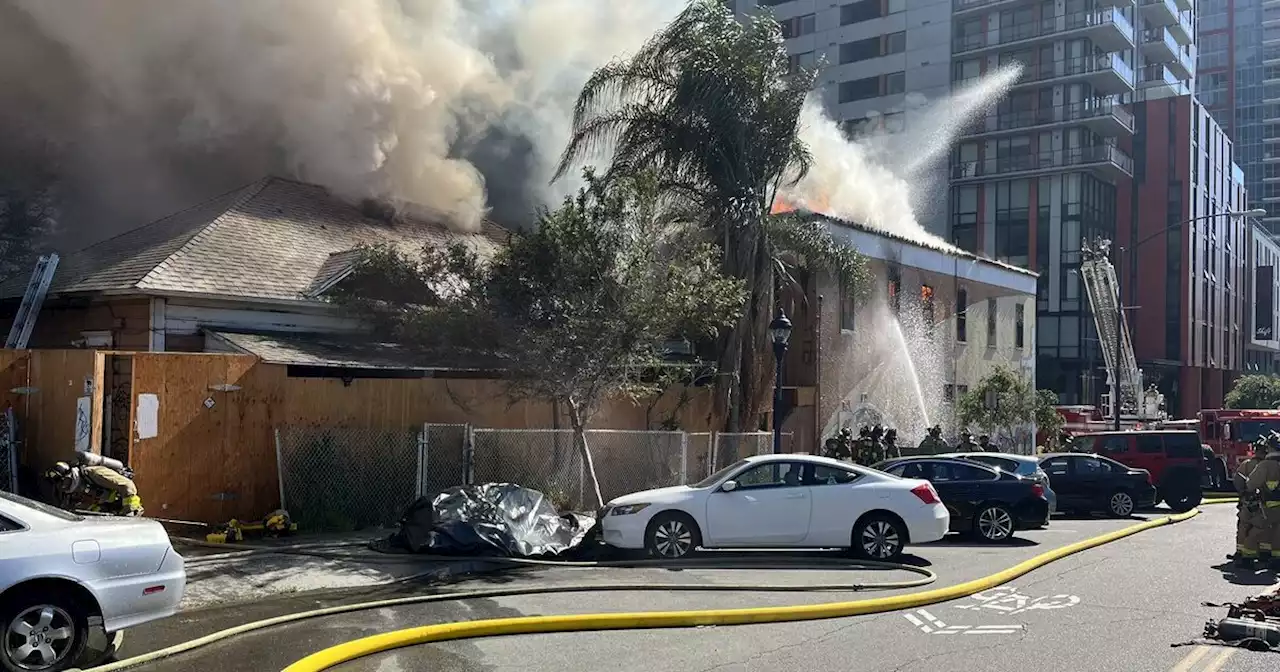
(1159, 12)
(1105, 161)
(1182, 31)
(1158, 46)
(1108, 29)
(1104, 117)
(962, 7)
(1108, 74)
(1158, 82)
(1185, 5)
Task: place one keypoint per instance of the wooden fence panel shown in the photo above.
(212, 457)
(59, 379)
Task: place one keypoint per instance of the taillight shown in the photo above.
(926, 493)
(1037, 490)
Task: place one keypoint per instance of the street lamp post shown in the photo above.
(779, 333)
(1133, 261)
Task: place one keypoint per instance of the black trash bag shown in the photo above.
(493, 519)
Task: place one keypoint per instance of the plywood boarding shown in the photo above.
(99, 388)
(59, 379)
(213, 457)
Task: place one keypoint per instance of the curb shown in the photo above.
(342, 653)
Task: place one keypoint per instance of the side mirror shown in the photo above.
(1226, 430)
(729, 486)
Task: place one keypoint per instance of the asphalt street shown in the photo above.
(1117, 607)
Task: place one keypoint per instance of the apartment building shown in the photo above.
(1262, 352)
(1036, 176)
(1238, 81)
(1184, 262)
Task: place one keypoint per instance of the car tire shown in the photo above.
(994, 523)
(672, 536)
(879, 537)
(52, 621)
(1181, 492)
(1120, 504)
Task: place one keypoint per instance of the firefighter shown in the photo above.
(933, 443)
(120, 489)
(1263, 487)
(985, 445)
(1246, 509)
(891, 444)
(841, 446)
(966, 442)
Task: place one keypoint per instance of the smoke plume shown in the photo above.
(143, 106)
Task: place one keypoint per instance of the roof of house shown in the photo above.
(328, 350)
(275, 239)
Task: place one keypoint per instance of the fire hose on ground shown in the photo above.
(618, 621)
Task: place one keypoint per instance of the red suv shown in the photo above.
(1173, 457)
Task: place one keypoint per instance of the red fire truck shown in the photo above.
(1084, 420)
(1229, 432)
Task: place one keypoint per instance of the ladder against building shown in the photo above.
(37, 289)
(1103, 290)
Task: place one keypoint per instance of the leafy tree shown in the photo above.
(579, 311)
(28, 216)
(712, 105)
(1255, 391)
(1048, 419)
(1003, 402)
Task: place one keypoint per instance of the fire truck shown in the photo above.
(1229, 433)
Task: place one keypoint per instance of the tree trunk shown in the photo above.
(580, 436)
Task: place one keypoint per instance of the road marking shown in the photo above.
(1191, 659)
(1007, 599)
(1217, 663)
(930, 625)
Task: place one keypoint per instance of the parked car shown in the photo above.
(780, 501)
(1027, 466)
(1089, 482)
(58, 570)
(1173, 457)
(988, 502)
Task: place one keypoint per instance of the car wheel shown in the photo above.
(44, 631)
(879, 537)
(672, 536)
(1120, 504)
(994, 523)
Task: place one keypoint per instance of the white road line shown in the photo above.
(914, 621)
(998, 627)
(991, 632)
(933, 619)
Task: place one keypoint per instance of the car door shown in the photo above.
(1148, 454)
(1063, 481)
(771, 506)
(839, 499)
(1093, 479)
(962, 487)
(1118, 447)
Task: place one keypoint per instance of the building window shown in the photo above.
(962, 307)
(926, 308)
(859, 89)
(991, 323)
(857, 12)
(895, 82)
(964, 218)
(948, 393)
(798, 26)
(848, 303)
(860, 50)
(1020, 326)
(803, 61)
(895, 43)
(1013, 222)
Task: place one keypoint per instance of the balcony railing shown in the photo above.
(1043, 161)
(1056, 114)
(1043, 27)
(1071, 67)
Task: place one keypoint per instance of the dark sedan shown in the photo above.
(990, 503)
(1086, 482)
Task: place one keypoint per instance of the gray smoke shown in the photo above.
(139, 107)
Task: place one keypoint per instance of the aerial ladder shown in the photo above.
(38, 287)
(1103, 290)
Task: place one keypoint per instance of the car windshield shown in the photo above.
(716, 477)
(1249, 430)
(41, 507)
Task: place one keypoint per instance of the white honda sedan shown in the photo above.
(781, 501)
(59, 570)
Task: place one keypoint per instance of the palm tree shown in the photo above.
(712, 106)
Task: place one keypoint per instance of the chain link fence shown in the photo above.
(630, 461)
(341, 479)
(545, 460)
(8, 451)
(444, 463)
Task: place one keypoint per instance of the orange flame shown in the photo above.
(782, 206)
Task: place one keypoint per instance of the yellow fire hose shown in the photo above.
(616, 621)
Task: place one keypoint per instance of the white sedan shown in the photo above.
(59, 570)
(781, 501)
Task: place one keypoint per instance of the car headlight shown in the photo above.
(627, 509)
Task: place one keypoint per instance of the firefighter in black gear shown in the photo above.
(891, 444)
(966, 442)
(933, 443)
(841, 446)
(985, 445)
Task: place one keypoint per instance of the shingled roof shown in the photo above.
(276, 239)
